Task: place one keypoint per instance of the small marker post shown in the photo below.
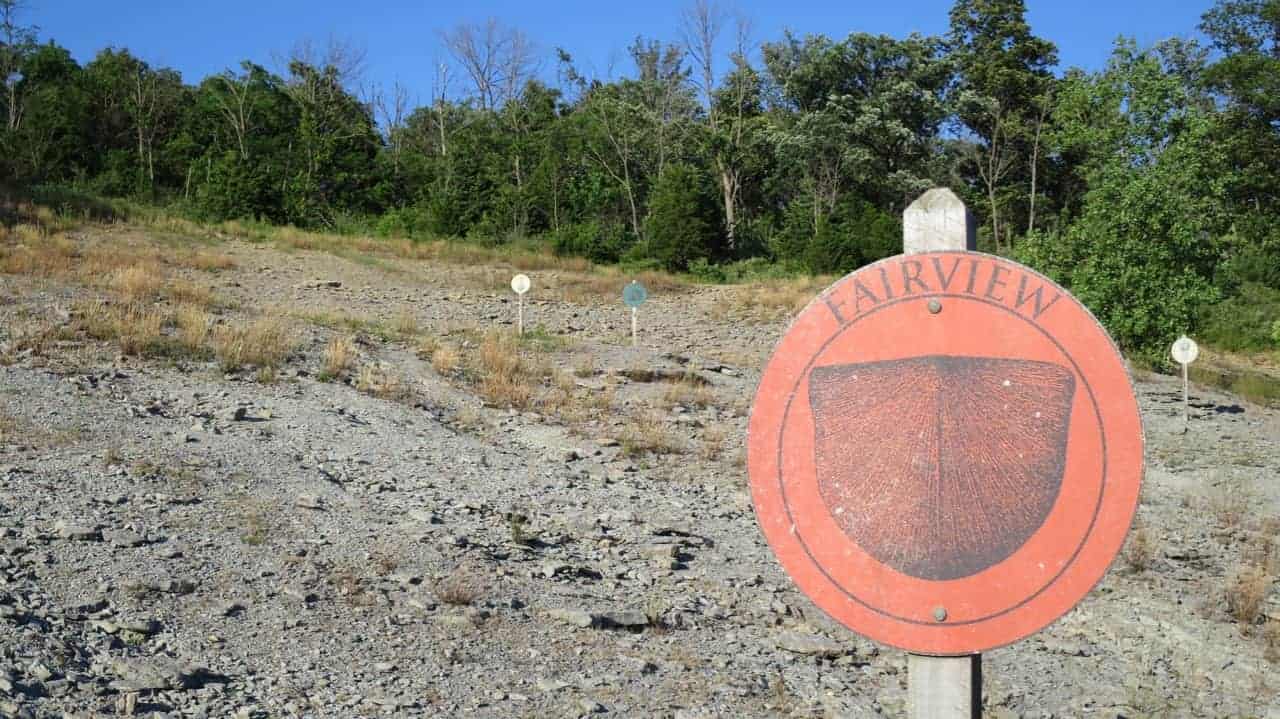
(520, 285)
(1184, 352)
(634, 295)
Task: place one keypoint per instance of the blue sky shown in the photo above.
(401, 37)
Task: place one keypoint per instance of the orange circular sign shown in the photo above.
(945, 452)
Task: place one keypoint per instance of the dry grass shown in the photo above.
(383, 383)
(505, 379)
(193, 325)
(264, 343)
(406, 324)
(445, 360)
(338, 358)
(140, 329)
(772, 299)
(649, 434)
(203, 260)
(1246, 595)
(138, 283)
(33, 335)
(36, 254)
(459, 589)
(713, 442)
(189, 293)
(1229, 504)
(688, 393)
(1140, 550)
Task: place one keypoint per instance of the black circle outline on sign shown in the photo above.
(782, 426)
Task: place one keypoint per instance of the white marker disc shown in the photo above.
(1185, 350)
(520, 284)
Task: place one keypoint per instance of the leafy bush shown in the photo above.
(595, 240)
(855, 234)
(411, 222)
(1142, 254)
(1244, 322)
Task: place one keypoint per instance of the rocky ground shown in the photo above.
(182, 539)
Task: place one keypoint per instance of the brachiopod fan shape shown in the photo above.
(941, 466)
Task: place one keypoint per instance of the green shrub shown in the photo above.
(1244, 322)
(854, 234)
(595, 240)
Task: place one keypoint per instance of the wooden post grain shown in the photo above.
(941, 687)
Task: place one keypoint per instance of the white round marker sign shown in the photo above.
(1185, 350)
(520, 284)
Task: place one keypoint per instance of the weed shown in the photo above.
(338, 358)
(405, 324)
(1245, 596)
(713, 441)
(189, 293)
(138, 329)
(648, 433)
(1140, 550)
(265, 342)
(459, 589)
(688, 393)
(445, 360)
(504, 377)
(138, 283)
(193, 327)
(381, 382)
(1230, 503)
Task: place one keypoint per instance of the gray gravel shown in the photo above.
(178, 543)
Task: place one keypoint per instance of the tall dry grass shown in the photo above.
(264, 343)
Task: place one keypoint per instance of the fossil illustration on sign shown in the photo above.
(940, 466)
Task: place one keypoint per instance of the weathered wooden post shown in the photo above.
(945, 453)
(941, 687)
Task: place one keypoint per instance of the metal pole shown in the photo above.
(635, 336)
(520, 320)
(941, 687)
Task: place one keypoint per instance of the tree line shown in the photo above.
(1149, 187)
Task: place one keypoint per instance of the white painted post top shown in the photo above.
(938, 221)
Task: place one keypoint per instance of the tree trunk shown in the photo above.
(729, 191)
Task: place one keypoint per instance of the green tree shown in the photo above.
(1001, 96)
(1144, 251)
(52, 140)
(683, 223)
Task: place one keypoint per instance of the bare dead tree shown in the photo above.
(345, 57)
(392, 110)
(150, 94)
(15, 42)
(498, 59)
(236, 105)
(439, 96)
(702, 24)
(994, 162)
(1044, 101)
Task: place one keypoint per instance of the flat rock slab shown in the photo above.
(809, 644)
